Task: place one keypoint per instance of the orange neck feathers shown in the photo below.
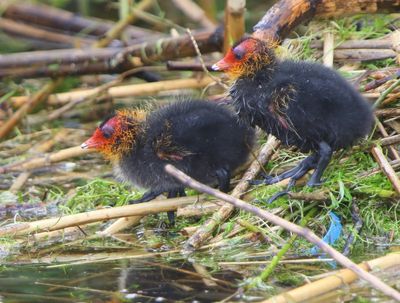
(117, 136)
(247, 57)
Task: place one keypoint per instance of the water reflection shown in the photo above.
(124, 281)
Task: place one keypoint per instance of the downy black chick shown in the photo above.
(301, 103)
(203, 139)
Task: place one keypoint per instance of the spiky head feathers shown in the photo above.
(246, 57)
(117, 134)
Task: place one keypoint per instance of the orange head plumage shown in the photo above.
(246, 57)
(116, 135)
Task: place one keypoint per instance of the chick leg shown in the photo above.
(325, 154)
(294, 173)
(173, 194)
(147, 196)
(223, 177)
(304, 166)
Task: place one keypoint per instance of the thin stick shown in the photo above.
(118, 28)
(32, 32)
(205, 231)
(386, 168)
(31, 103)
(203, 65)
(121, 91)
(46, 159)
(301, 231)
(336, 279)
(386, 93)
(385, 134)
(100, 215)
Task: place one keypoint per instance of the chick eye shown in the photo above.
(107, 131)
(238, 53)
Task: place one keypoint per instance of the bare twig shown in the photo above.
(28, 31)
(386, 168)
(301, 231)
(193, 66)
(31, 103)
(386, 93)
(197, 239)
(376, 83)
(382, 130)
(120, 224)
(203, 65)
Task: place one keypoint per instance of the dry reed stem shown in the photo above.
(29, 105)
(121, 91)
(205, 231)
(198, 210)
(56, 234)
(100, 215)
(119, 27)
(234, 27)
(22, 29)
(120, 224)
(189, 230)
(328, 49)
(335, 280)
(289, 226)
(194, 12)
(385, 134)
(46, 159)
(389, 140)
(386, 168)
(41, 148)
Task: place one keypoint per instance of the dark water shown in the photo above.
(157, 280)
(122, 281)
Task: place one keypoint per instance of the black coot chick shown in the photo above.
(203, 139)
(301, 103)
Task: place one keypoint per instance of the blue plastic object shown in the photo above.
(334, 232)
